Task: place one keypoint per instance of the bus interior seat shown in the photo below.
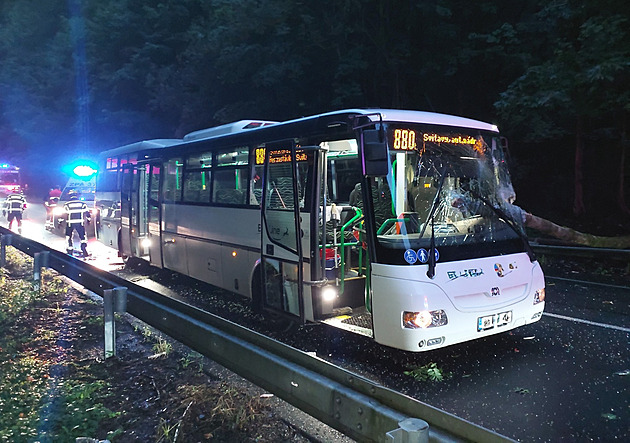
(229, 196)
(281, 194)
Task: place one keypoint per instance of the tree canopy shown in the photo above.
(81, 76)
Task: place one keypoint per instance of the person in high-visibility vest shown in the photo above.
(77, 214)
(15, 205)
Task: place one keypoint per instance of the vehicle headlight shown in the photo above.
(424, 319)
(57, 210)
(146, 243)
(539, 296)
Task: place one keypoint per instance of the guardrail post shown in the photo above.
(114, 300)
(5, 241)
(412, 430)
(40, 260)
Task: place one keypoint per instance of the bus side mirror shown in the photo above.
(374, 154)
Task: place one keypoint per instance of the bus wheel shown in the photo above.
(257, 292)
(280, 323)
(124, 257)
(137, 265)
(274, 321)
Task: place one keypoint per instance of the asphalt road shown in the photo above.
(564, 378)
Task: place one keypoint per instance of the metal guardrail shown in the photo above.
(357, 407)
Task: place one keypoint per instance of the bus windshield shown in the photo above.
(446, 188)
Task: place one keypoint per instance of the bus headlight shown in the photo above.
(146, 243)
(424, 319)
(58, 210)
(539, 296)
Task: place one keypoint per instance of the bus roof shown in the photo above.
(310, 123)
(142, 146)
(229, 128)
(399, 115)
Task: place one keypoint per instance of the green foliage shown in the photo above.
(162, 346)
(115, 71)
(23, 384)
(79, 415)
(584, 70)
(428, 372)
(37, 403)
(16, 295)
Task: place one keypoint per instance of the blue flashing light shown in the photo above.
(84, 171)
(81, 169)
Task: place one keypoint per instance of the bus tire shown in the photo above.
(257, 291)
(124, 257)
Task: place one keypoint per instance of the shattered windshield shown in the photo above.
(452, 187)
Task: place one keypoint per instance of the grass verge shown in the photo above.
(39, 402)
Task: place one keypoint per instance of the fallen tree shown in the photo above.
(572, 236)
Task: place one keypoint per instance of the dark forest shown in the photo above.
(78, 77)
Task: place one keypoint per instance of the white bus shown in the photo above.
(393, 224)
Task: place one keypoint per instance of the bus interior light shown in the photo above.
(424, 319)
(539, 296)
(329, 293)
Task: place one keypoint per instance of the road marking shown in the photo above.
(588, 322)
(584, 282)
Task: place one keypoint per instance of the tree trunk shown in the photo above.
(578, 198)
(572, 236)
(621, 196)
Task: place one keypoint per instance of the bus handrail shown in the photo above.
(391, 221)
(357, 215)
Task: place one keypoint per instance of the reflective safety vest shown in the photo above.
(15, 203)
(75, 209)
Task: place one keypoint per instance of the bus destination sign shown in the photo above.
(279, 156)
(405, 139)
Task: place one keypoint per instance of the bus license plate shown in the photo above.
(490, 321)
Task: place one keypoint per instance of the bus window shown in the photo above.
(199, 161)
(197, 186)
(236, 156)
(255, 185)
(108, 178)
(112, 163)
(173, 180)
(343, 176)
(230, 186)
(280, 187)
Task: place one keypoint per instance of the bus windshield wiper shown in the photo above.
(431, 219)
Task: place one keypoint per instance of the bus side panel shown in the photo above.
(235, 226)
(107, 219)
(204, 261)
(174, 252)
(236, 269)
(219, 242)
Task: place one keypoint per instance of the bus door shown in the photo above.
(128, 212)
(289, 195)
(145, 212)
